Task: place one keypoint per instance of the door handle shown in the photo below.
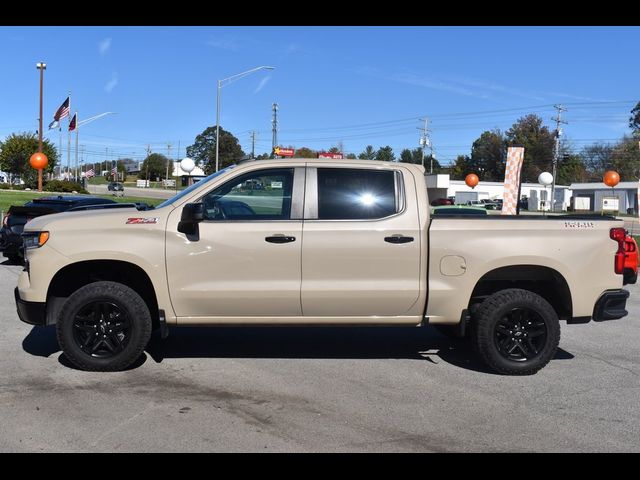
(397, 238)
(280, 238)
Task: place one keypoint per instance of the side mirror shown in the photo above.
(192, 214)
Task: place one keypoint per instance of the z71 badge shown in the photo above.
(131, 221)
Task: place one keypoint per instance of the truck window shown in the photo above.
(355, 194)
(259, 195)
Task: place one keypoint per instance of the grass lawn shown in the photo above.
(20, 197)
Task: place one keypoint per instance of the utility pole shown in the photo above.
(168, 160)
(274, 141)
(147, 160)
(556, 152)
(425, 141)
(253, 144)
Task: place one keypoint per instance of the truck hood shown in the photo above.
(97, 219)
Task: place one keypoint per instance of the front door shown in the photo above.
(245, 261)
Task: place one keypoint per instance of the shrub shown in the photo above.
(63, 186)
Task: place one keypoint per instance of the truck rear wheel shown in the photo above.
(104, 326)
(516, 332)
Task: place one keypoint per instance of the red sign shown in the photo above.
(284, 152)
(335, 156)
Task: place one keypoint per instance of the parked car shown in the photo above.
(441, 201)
(115, 187)
(14, 221)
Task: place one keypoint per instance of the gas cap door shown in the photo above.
(453, 265)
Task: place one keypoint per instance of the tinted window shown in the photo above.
(259, 195)
(352, 194)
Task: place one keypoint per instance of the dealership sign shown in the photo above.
(284, 152)
(335, 156)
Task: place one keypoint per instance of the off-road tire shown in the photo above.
(123, 298)
(489, 335)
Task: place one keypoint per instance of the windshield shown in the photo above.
(188, 190)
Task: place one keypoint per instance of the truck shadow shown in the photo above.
(424, 344)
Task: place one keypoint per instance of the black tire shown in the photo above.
(104, 326)
(17, 259)
(515, 332)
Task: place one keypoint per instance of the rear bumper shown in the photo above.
(611, 305)
(33, 313)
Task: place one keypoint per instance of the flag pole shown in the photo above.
(77, 128)
(69, 138)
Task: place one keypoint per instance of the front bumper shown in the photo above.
(33, 313)
(611, 305)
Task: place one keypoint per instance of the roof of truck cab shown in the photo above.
(335, 161)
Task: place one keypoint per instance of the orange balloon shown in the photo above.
(471, 180)
(39, 161)
(611, 178)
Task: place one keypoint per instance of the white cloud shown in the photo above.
(104, 46)
(111, 84)
(262, 83)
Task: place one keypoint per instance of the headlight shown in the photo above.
(33, 240)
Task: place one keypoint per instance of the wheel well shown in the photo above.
(74, 276)
(544, 281)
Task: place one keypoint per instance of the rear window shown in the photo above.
(355, 194)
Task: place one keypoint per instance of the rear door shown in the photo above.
(361, 249)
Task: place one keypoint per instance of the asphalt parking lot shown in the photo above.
(319, 390)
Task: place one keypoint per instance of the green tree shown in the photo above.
(15, 152)
(571, 169)
(461, 168)
(429, 161)
(634, 120)
(368, 154)
(411, 156)
(597, 159)
(488, 156)
(203, 151)
(154, 166)
(351, 156)
(625, 159)
(385, 154)
(305, 152)
(538, 142)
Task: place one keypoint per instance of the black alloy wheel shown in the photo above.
(101, 329)
(520, 335)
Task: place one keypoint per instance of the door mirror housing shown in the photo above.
(192, 214)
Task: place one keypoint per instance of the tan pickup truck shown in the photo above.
(319, 242)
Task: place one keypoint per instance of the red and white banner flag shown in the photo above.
(515, 157)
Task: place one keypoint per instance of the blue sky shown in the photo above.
(355, 85)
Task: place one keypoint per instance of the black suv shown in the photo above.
(115, 187)
(17, 216)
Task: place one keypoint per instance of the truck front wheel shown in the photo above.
(104, 326)
(516, 332)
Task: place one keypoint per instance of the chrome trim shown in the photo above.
(297, 194)
(311, 194)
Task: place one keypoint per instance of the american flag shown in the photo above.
(72, 123)
(62, 112)
(90, 173)
(114, 171)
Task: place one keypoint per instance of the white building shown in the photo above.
(441, 186)
(591, 196)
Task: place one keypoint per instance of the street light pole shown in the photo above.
(220, 85)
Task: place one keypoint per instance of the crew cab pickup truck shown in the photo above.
(322, 242)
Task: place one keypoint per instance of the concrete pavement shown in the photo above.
(320, 390)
